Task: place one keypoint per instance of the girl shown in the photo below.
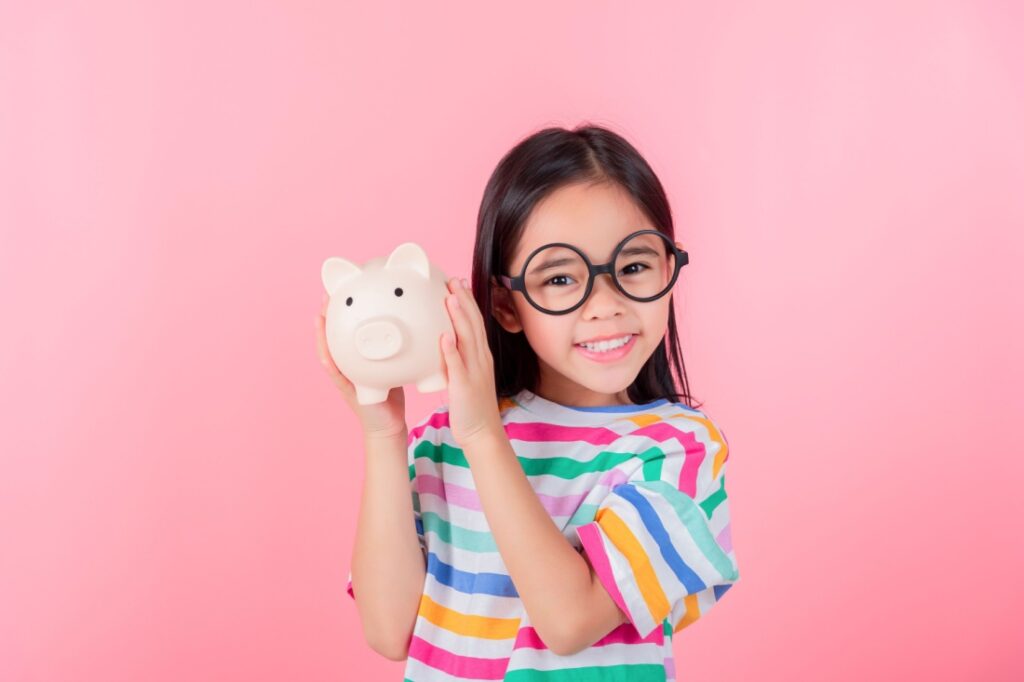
(568, 502)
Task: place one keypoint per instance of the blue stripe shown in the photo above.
(652, 522)
(470, 583)
(618, 408)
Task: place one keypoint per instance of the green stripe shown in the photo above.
(696, 523)
(463, 538)
(714, 499)
(585, 513)
(562, 467)
(653, 459)
(636, 672)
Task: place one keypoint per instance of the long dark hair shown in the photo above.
(538, 165)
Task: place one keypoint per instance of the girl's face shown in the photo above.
(594, 218)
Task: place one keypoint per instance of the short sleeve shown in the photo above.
(660, 542)
(416, 436)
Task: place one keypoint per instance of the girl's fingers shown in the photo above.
(453, 367)
(325, 357)
(460, 321)
(478, 323)
(473, 316)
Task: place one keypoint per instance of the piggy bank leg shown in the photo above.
(370, 396)
(435, 382)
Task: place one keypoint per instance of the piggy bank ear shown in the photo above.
(409, 256)
(336, 271)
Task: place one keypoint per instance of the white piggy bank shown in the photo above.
(385, 320)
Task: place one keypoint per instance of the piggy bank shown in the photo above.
(385, 320)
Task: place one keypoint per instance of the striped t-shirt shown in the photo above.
(639, 488)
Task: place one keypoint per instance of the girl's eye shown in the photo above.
(643, 267)
(558, 277)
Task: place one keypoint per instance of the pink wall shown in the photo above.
(180, 480)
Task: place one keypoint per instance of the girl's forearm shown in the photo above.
(388, 566)
(553, 580)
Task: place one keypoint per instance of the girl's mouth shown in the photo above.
(608, 350)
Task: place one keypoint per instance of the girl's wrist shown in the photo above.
(391, 433)
(485, 438)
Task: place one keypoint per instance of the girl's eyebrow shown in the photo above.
(549, 263)
(639, 250)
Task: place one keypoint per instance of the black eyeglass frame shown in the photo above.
(518, 283)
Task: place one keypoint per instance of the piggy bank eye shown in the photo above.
(398, 291)
(348, 301)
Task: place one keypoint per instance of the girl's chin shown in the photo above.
(610, 381)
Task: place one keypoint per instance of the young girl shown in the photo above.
(568, 512)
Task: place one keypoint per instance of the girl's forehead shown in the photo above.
(594, 218)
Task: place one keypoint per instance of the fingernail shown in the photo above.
(465, 283)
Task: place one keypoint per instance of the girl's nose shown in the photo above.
(605, 299)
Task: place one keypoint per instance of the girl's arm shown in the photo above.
(568, 606)
(388, 566)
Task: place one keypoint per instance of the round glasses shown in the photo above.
(557, 278)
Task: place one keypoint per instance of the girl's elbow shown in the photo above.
(391, 650)
(560, 643)
(381, 637)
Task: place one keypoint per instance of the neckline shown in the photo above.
(530, 396)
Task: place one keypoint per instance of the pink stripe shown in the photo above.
(694, 449)
(540, 432)
(590, 538)
(725, 538)
(456, 495)
(437, 420)
(612, 478)
(527, 638)
(670, 668)
(453, 664)
(623, 633)
(565, 505)
(351, 591)
(530, 431)
(626, 633)
(467, 498)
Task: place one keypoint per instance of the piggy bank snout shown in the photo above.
(378, 339)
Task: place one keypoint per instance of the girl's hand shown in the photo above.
(386, 419)
(472, 401)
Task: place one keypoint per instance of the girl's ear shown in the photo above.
(503, 309)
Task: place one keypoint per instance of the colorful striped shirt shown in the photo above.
(640, 489)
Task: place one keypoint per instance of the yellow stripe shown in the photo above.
(646, 579)
(644, 419)
(692, 613)
(464, 624)
(723, 451)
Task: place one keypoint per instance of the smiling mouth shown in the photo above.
(606, 345)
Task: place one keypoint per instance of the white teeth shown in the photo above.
(607, 345)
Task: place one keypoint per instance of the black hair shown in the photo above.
(534, 168)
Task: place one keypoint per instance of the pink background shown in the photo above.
(180, 479)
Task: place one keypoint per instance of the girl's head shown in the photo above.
(590, 188)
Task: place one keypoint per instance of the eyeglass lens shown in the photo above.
(556, 277)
